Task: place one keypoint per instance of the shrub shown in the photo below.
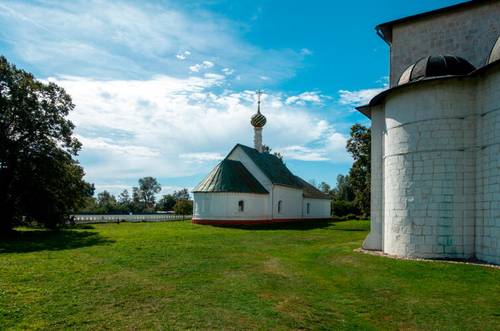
(183, 207)
(344, 208)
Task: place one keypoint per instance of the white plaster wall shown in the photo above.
(318, 208)
(239, 155)
(292, 202)
(224, 206)
(488, 168)
(429, 170)
(374, 241)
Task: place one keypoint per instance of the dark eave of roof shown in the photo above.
(376, 100)
(311, 192)
(384, 30)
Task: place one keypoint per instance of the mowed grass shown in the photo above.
(182, 276)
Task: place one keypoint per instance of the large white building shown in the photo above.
(436, 136)
(251, 186)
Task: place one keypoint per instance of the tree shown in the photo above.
(183, 207)
(137, 204)
(124, 201)
(324, 187)
(90, 206)
(359, 146)
(143, 197)
(343, 189)
(268, 150)
(39, 179)
(106, 202)
(166, 203)
(182, 194)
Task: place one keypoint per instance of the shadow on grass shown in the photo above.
(297, 226)
(40, 240)
(350, 229)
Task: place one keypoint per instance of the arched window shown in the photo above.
(241, 205)
(308, 208)
(280, 206)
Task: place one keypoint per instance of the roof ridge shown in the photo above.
(271, 166)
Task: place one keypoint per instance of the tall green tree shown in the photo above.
(39, 179)
(124, 201)
(107, 202)
(182, 194)
(343, 189)
(166, 203)
(359, 146)
(137, 204)
(183, 207)
(144, 195)
(324, 187)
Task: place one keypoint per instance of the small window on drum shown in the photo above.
(308, 208)
(241, 206)
(280, 206)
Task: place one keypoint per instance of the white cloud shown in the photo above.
(200, 66)
(123, 40)
(184, 55)
(195, 68)
(207, 64)
(304, 153)
(329, 147)
(106, 145)
(139, 112)
(304, 97)
(359, 97)
(173, 127)
(202, 157)
(306, 51)
(362, 97)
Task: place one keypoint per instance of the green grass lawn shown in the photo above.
(178, 275)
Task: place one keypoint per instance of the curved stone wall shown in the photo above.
(428, 161)
(488, 168)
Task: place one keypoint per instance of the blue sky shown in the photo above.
(165, 88)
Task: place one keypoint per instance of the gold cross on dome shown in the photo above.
(259, 93)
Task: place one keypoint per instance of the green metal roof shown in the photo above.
(230, 176)
(272, 167)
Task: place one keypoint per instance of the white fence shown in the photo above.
(107, 218)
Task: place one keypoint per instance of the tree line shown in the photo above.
(142, 200)
(351, 194)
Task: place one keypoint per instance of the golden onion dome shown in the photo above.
(258, 120)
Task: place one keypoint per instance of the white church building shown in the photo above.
(251, 186)
(435, 148)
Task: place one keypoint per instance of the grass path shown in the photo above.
(178, 275)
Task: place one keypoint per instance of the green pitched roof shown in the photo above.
(272, 167)
(230, 176)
